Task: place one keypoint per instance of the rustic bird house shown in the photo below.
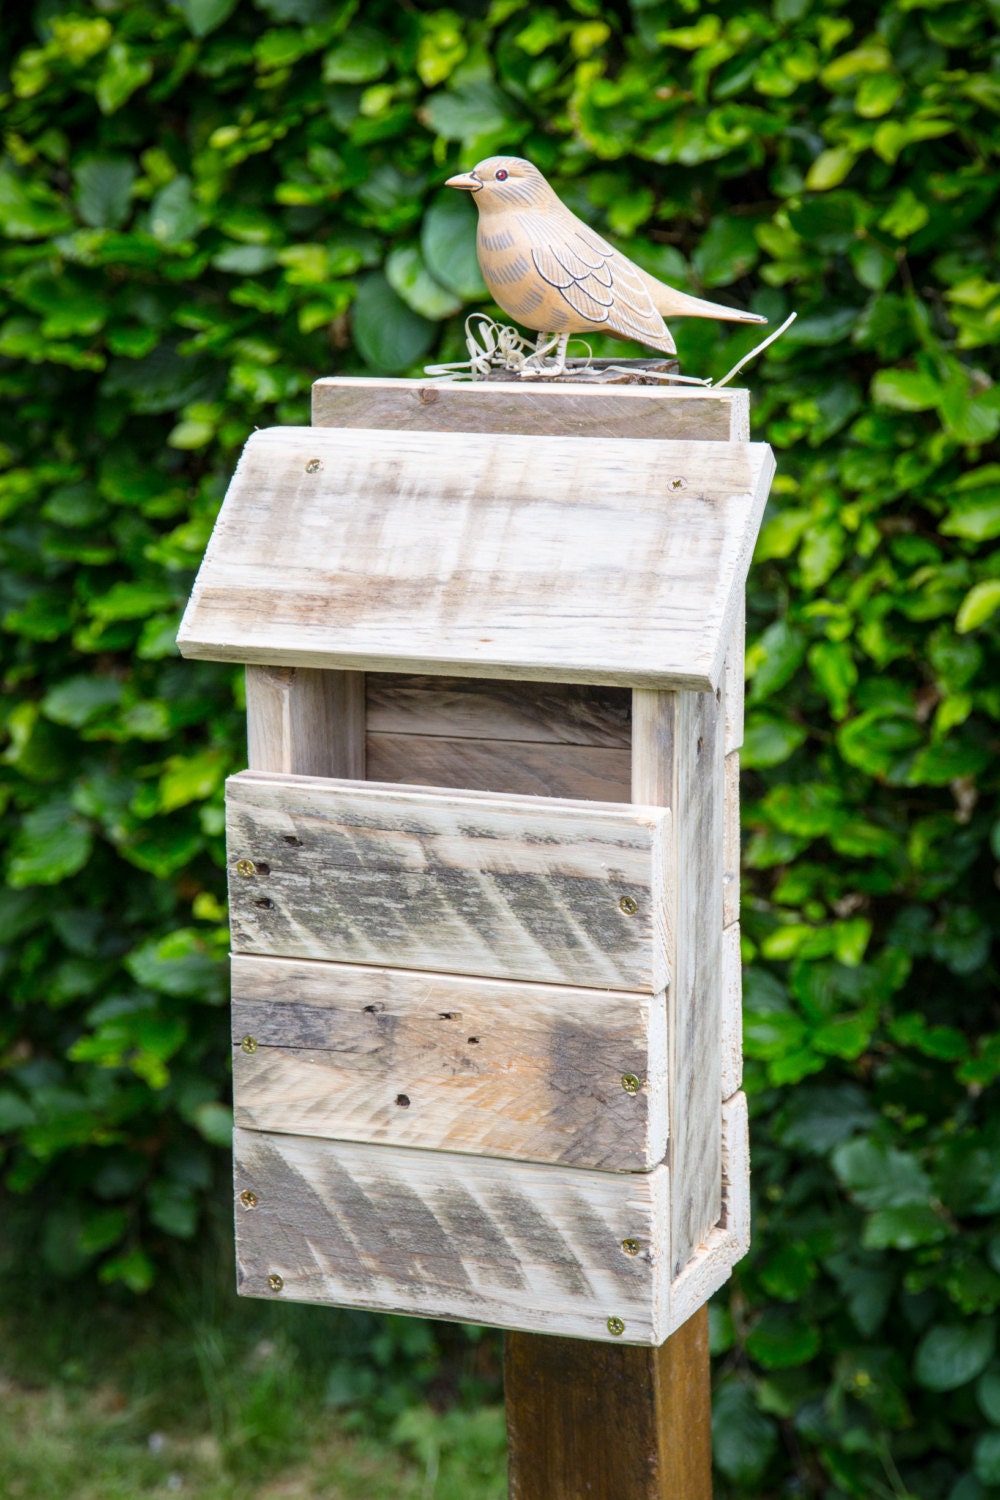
(484, 864)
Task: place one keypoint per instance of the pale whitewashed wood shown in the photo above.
(733, 681)
(553, 713)
(305, 722)
(460, 882)
(595, 773)
(597, 560)
(712, 1263)
(731, 853)
(678, 762)
(481, 1066)
(732, 1012)
(427, 1232)
(571, 408)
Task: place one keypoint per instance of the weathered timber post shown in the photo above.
(486, 1018)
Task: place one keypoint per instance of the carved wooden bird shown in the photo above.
(549, 270)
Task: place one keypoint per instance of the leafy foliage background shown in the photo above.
(207, 203)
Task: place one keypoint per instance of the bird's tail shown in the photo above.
(673, 304)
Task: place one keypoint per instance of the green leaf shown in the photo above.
(51, 844)
(727, 251)
(951, 1354)
(411, 280)
(979, 605)
(104, 189)
(768, 741)
(215, 1123)
(782, 1340)
(204, 16)
(743, 1438)
(178, 964)
(361, 57)
(986, 1458)
(906, 390)
(903, 1228)
(77, 700)
(879, 1176)
(448, 243)
(830, 168)
(389, 335)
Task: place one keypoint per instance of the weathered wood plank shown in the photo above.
(508, 1243)
(594, 773)
(602, 560)
(630, 1424)
(528, 1071)
(570, 408)
(554, 713)
(305, 722)
(731, 849)
(712, 1263)
(733, 680)
(732, 1012)
(467, 883)
(678, 762)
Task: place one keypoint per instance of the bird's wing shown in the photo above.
(597, 281)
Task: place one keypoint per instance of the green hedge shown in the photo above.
(204, 205)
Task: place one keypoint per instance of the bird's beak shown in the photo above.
(467, 180)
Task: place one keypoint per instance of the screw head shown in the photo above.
(630, 1083)
(616, 1326)
(246, 868)
(631, 1247)
(314, 465)
(677, 483)
(248, 1198)
(629, 905)
(275, 1282)
(249, 1044)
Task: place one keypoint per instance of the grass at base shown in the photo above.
(190, 1391)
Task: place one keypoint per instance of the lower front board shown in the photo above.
(491, 1067)
(547, 1249)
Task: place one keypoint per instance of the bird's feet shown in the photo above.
(537, 364)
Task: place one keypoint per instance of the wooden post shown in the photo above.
(589, 1421)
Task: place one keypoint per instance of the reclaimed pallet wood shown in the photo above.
(488, 1067)
(677, 762)
(733, 681)
(549, 713)
(615, 561)
(551, 1249)
(558, 892)
(569, 409)
(306, 722)
(731, 845)
(594, 773)
(732, 1011)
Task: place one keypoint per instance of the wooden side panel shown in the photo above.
(508, 1243)
(732, 1012)
(305, 722)
(733, 680)
(677, 742)
(711, 1266)
(570, 408)
(610, 561)
(592, 773)
(629, 1424)
(731, 856)
(503, 887)
(548, 713)
(528, 1071)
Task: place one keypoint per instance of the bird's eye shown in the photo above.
(502, 175)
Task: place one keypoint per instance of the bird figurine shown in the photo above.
(550, 271)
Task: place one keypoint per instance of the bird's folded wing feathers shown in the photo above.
(597, 282)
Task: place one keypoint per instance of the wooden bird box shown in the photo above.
(484, 864)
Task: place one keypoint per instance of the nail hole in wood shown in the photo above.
(263, 869)
(373, 1010)
(290, 838)
(403, 1100)
(449, 1015)
(473, 1041)
(701, 744)
(265, 903)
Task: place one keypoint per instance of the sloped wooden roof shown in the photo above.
(602, 560)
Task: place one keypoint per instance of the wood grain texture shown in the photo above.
(677, 762)
(596, 1422)
(731, 850)
(507, 1243)
(602, 560)
(594, 773)
(305, 722)
(570, 409)
(732, 1011)
(734, 681)
(712, 1263)
(488, 1067)
(459, 882)
(547, 713)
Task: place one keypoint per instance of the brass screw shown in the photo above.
(249, 1044)
(246, 868)
(677, 483)
(629, 905)
(313, 466)
(248, 1198)
(275, 1282)
(616, 1326)
(630, 1083)
(631, 1247)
